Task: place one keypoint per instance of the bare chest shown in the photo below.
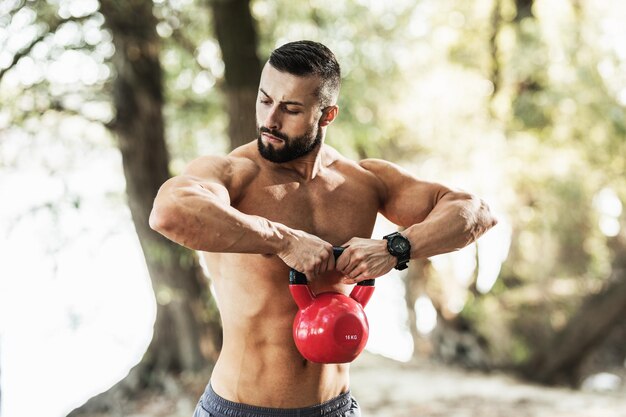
(335, 209)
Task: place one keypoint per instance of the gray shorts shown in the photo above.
(212, 405)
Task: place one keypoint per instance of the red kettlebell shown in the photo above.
(330, 327)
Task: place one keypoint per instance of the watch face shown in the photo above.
(400, 245)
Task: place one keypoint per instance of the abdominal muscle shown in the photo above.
(259, 363)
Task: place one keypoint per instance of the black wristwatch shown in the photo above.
(400, 247)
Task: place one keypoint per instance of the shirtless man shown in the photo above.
(283, 201)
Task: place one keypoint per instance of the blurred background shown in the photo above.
(522, 102)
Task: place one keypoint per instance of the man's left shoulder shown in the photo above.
(379, 167)
(343, 163)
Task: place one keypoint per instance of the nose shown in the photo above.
(272, 118)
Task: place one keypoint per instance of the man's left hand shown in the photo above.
(364, 259)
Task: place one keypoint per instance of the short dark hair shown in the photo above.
(304, 58)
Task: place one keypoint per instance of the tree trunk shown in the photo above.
(186, 331)
(236, 33)
(495, 70)
(524, 8)
(560, 362)
(177, 279)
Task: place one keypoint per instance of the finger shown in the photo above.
(319, 267)
(327, 259)
(310, 277)
(355, 272)
(360, 278)
(351, 265)
(311, 272)
(343, 261)
(347, 260)
(355, 279)
(324, 265)
(351, 270)
(331, 264)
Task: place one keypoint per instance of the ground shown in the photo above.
(386, 388)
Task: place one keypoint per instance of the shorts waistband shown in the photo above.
(221, 407)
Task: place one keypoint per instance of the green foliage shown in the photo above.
(371, 48)
(565, 143)
(191, 61)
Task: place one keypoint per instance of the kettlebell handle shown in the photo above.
(298, 278)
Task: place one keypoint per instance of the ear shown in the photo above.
(328, 115)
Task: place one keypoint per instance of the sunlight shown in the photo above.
(386, 311)
(202, 83)
(73, 66)
(83, 320)
(609, 208)
(425, 314)
(69, 33)
(621, 97)
(73, 8)
(209, 57)
(76, 304)
(28, 72)
(493, 249)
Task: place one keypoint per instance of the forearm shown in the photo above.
(200, 220)
(455, 222)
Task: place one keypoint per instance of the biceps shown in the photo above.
(410, 205)
(218, 190)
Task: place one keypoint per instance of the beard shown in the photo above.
(293, 148)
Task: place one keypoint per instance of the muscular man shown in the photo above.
(283, 201)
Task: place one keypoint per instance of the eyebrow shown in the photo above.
(296, 103)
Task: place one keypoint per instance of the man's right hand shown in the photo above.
(308, 254)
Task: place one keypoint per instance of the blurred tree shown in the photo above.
(139, 126)
(494, 77)
(185, 322)
(187, 332)
(562, 359)
(186, 315)
(591, 317)
(523, 9)
(567, 152)
(236, 33)
(418, 276)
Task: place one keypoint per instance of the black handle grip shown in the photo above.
(298, 278)
(337, 251)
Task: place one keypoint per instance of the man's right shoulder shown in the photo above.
(237, 168)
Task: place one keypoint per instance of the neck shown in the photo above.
(306, 167)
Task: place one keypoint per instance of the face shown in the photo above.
(289, 115)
